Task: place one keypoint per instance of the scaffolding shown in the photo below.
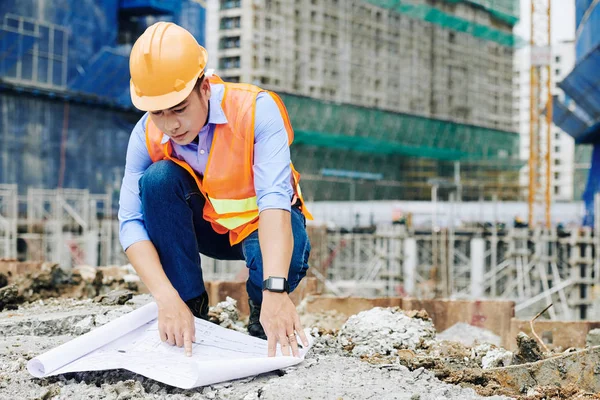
(8, 221)
(69, 226)
(532, 268)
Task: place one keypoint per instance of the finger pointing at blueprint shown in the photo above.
(218, 354)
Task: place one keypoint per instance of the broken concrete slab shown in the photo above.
(115, 297)
(580, 368)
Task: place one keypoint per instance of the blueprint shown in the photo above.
(132, 342)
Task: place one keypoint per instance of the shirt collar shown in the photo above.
(216, 115)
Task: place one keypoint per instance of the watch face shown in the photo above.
(277, 284)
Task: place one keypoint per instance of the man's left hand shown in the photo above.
(281, 323)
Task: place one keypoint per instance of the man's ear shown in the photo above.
(205, 88)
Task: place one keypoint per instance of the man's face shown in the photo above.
(183, 122)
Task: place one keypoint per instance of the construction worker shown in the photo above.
(208, 171)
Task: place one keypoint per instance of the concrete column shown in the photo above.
(409, 265)
(477, 267)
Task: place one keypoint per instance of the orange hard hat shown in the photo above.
(165, 63)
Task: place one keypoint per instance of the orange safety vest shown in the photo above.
(228, 182)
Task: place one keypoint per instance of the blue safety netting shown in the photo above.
(91, 24)
(588, 27)
(583, 84)
(46, 141)
(592, 186)
(107, 75)
(572, 122)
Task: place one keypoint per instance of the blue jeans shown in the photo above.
(172, 205)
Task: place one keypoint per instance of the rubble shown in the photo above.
(383, 353)
(10, 297)
(529, 350)
(496, 357)
(29, 282)
(469, 335)
(593, 338)
(115, 297)
(226, 314)
(383, 331)
(326, 373)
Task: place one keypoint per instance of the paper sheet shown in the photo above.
(132, 342)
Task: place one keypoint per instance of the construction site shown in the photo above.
(435, 273)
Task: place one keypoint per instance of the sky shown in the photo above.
(563, 20)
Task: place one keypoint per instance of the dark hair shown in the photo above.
(199, 83)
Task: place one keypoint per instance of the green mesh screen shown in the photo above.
(368, 130)
(447, 21)
(504, 10)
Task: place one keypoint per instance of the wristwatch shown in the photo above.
(276, 284)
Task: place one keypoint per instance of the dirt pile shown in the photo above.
(29, 282)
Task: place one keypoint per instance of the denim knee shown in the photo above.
(162, 178)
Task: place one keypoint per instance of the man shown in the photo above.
(208, 171)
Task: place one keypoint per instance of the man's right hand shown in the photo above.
(176, 323)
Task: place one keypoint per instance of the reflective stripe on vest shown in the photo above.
(235, 222)
(227, 206)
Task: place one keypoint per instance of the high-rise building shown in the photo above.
(562, 145)
(356, 52)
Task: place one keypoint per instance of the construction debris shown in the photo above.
(382, 352)
(383, 331)
(226, 314)
(469, 335)
(29, 282)
(529, 350)
(115, 297)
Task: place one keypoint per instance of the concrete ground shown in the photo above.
(362, 350)
(327, 373)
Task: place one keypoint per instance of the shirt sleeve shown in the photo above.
(131, 218)
(272, 171)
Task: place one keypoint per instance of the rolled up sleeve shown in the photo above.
(272, 170)
(131, 217)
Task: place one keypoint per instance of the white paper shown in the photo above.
(132, 342)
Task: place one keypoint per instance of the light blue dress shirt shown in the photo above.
(272, 172)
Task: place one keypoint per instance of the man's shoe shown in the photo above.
(199, 306)
(254, 326)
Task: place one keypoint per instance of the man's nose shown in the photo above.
(172, 125)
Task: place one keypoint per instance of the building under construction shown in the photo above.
(386, 101)
(389, 100)
(411, 90)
